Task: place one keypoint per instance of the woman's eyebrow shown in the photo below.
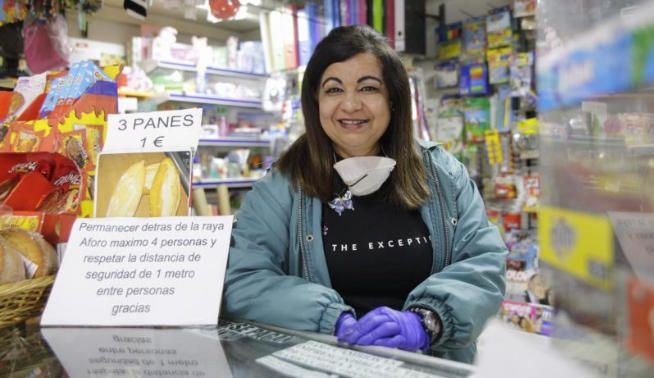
(364, 78)
(332, 78)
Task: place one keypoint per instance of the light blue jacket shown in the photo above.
(277, 272)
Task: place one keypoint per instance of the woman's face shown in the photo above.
(354, 105)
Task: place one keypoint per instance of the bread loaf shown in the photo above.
(11, 264)
(165, 192)
(34, 248)
(127, 192)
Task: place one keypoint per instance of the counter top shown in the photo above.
(233, 349)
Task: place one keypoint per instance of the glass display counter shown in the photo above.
(234, 349)
(596, 108)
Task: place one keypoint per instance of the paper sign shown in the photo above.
(635, 232)
(115, 352)
(165, 271)
(155, 131)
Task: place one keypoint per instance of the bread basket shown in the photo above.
(23, 299)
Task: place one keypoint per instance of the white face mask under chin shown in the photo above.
(364, 174)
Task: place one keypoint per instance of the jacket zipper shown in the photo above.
(441, 203)
(300, 233)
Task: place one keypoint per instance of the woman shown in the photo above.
(408, 251)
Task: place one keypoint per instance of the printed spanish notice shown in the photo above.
(141, 272)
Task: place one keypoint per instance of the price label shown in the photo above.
(155, 131)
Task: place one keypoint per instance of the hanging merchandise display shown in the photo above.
(473, 79)
(493, 147)
(499, 61)
(446, 74)
(476, 114)
(498, 28)
(46, 44)
(18, 10)
(499, 146)
(449, 42)
(449, 125)
(522, 67)
(474, 38)
(524, 8)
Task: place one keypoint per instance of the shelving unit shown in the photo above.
(130, 93)
(233, 142)
(150, 66)
(218, 147)
(205, 99)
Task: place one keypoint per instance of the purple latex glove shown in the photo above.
(384, 326)
(344, 325)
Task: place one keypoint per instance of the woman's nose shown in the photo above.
(351, 102)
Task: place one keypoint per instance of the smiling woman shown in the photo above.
(359, 230)
(354, 105)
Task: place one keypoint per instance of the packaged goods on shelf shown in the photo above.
(49, 148)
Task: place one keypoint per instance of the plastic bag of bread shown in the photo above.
(12, 268)
(39, 256)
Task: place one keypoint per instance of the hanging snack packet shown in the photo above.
(68, 183)
(93, 142)
(73, 146)
(52, 97)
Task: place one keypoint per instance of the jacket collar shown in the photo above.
(427, 144)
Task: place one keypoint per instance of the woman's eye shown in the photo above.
(369, 89)
(333, 90)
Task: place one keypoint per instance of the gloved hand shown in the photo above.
(390, 328)
(344, 325)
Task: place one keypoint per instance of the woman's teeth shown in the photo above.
(352, 122)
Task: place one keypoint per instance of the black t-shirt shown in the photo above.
(376, 254)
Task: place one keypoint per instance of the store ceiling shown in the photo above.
(159, 12)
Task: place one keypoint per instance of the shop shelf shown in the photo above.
(152, 65)
(207, 99)
(132, 93)
(234, 142)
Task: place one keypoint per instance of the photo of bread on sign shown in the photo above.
(143, 184)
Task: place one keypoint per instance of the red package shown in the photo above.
(22, 164)
(30, 191)
(42, 166)
(511, 221)
(68, 184)
(640, 304)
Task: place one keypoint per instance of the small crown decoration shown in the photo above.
(342, 202)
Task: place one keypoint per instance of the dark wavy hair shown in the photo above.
(309, 160)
